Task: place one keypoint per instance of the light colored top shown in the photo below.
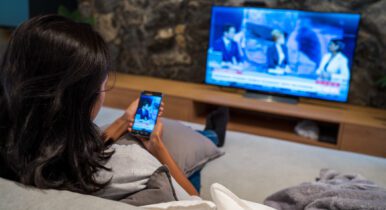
(131, 167)
(337, 67)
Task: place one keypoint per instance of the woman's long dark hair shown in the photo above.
(50, 79)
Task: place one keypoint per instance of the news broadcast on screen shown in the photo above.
(288, 52)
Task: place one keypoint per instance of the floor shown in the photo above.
(254, 167)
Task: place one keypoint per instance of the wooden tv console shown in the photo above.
(344, 127)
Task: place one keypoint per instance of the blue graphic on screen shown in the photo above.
(307, 54)
(147, 113)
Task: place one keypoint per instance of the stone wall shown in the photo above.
(169, 38)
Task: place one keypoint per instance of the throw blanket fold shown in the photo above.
(332, 190)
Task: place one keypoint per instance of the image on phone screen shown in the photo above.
(147, 113)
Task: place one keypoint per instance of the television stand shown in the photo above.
(271, 98)
(342, 126)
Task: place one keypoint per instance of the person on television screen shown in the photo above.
(277, 54)
(227, 46)
(334, 64)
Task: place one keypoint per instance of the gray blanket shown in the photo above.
(331, 190)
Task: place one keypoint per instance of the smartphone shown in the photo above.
(146, 114)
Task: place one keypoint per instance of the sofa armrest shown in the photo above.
(17, 196)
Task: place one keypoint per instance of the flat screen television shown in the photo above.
(284, 52)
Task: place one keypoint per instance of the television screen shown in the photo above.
(290, 52)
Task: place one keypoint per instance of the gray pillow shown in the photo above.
(189, 149)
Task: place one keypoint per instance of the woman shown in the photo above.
(52, 81)
(334, 65)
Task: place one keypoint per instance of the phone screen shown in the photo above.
(147, 113)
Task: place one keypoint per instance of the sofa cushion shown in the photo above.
(16, 196)
(183, 205)
(226, 200)
(190, 149)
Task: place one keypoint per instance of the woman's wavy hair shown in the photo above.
(50, 79)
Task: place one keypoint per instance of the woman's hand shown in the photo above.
(154, 144)
(156, 147)
(130, 113)
(124, 123)
(132, 108)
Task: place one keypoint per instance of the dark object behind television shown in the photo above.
(13, 13)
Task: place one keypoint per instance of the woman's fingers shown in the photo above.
(129, 128)
(161, 109)
(142, 139)
(158, 128)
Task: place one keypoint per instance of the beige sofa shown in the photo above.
(253, 168)
(15, 196)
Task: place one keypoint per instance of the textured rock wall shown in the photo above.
(168, 38)
(165, 38)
